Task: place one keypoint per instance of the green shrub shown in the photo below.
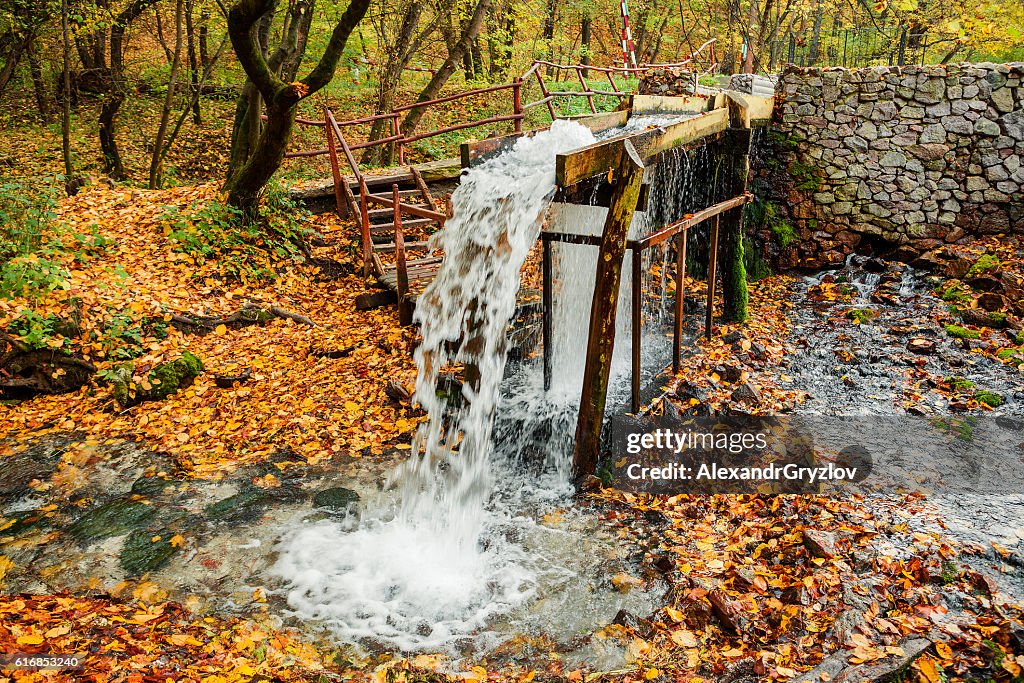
(989, 398)
(27, 214)
(962, 332)
(30, 276)
(958, 383)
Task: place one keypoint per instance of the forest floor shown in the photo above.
(141, 531)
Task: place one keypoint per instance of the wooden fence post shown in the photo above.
(677, 329)
(401, 269)
(517, 103)
(627, 178)
(709, 321)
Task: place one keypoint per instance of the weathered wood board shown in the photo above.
(660, 104)
(603, 156)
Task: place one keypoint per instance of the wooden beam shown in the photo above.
(602, 157)
(627, 176)
(659, 104)
(603, 121)
(751, 108)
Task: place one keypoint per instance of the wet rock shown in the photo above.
(820, 543)
(980, 318)
(747, 393)
(150, 486)
(229, 381)
(991, 301)
(687, 390)
(733, 337)
(18, 471)
(641, 627)
(20, 523)
(729, 373)
(796, 595)
(243, 506)
(875, 265)
(397, 392)
(336, 499)
(163, 380)
(112, 519)
(757, 351)
(985, 283)
(146, 551)
(921, 346)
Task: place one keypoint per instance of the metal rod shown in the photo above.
(677, 331)
(335, 170)
(517, 103)
(449, 98)
(548, 303)
(461, 126)
(712, 268)
(638, 285)
(365, 226)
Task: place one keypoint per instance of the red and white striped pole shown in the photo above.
(628, 53)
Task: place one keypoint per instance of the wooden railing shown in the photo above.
(400, 139)
(637, 246)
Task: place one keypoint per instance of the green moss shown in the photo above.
(734, 275)
(113, 519)
(962, 332)
(989, 398)
(337, 498)
(164, 379)
(1011, 356)
(141, 553)
(984, 264)
(1019, 338)
(862, 315)
(958, 383)
(955, 292)
(804, 177)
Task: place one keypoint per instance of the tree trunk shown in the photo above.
(549, 31)
(204, 33)
(815, 35)
(65, 118)
(156, 165)
(13, 58)
(282, 98)
(398, 55)
(585, 26)
(38, 82)
(441, 76)
(500, 39)
(193, 62)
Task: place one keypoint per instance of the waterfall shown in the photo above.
(416, 574)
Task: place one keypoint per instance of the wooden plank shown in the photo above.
(401, 268)
(751, 108)
(601, 157)
(408, 208)
(628, 175)
(603, 121)
(709, 314)
(660, 104)
(680, 303)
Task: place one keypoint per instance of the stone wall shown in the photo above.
(911, 156)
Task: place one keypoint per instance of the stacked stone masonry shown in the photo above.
(913, 155)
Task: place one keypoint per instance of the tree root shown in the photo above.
(26, 372)
(250, 314)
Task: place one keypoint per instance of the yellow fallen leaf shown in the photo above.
(30, 639)
(177, 540)
(651, 673)
(221, 330)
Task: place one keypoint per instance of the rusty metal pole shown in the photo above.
(677, 331)
(636, 309)
(401, 269)
(627, 178)
(712, 274)
(548, 303)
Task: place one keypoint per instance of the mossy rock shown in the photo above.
(962, 332)
(336, 499)
(862, 315)
(113, 519)
(164, 379)
(141, 554)
(955, 292)
(150, 486)
(1011, 356)
(23, 522)
(984, 264)
(989, 398)
(245, 505)
(958, 383)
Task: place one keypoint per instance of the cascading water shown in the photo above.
(415, 574)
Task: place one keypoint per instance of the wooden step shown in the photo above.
(390, 246)
(387, 230)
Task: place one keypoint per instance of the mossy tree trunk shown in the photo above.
(730, 252)
(255, 162)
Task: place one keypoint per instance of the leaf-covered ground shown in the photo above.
(760, 587)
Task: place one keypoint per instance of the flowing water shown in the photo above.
(448, 559)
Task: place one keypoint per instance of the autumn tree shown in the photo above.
(258, 148)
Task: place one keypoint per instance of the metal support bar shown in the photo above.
(712, 273)
(547, 281)
(677, 330)
(637, 314)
